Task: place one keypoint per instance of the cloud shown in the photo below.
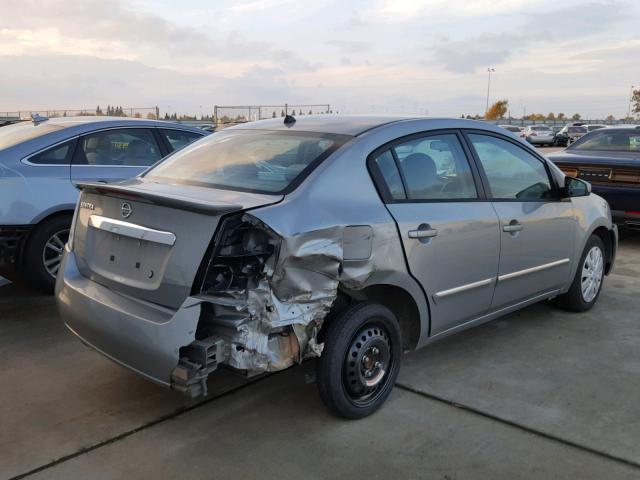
(350, 46)
(558, 25)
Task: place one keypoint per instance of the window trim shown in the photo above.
(381, 184)
(555, 190)
(74, 162)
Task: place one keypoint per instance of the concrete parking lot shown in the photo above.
(538, 394)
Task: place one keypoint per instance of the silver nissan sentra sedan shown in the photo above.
(351, 239)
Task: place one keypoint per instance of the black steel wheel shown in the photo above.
(360, 361)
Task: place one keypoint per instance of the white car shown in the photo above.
(539, 135)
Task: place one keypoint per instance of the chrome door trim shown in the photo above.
(462, 288)
(526, 271)
(131, 230)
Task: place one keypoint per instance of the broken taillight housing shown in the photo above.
(245, 250)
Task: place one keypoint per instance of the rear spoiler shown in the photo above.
(169, 200)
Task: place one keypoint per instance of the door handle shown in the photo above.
(513, 226)
(428, 233)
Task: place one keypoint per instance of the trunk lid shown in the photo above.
(147, 239)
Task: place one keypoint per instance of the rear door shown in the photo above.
(449, 230)
(115, 154)
(537, 229)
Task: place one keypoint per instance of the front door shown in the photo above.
(449, 231)
(537, 229)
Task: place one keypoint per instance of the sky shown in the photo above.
(420, 57)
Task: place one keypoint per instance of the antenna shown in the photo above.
(37, 119)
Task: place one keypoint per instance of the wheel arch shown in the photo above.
(42, 220)
(395, 298)
(608, 239)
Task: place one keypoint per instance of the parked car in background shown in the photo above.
(569, 134)
(539, 135)
(514, 129)
(40, 163)
(609, 159)
(347, 238)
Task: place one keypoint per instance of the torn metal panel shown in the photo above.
(267, 296)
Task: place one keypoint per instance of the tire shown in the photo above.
(46, 243)
(578, 299)
(370, 334)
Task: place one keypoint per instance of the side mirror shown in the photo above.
(574, 187)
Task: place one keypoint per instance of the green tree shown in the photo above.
(98, 110)
(561, 116)
(497, 110)
(551, 116)
(610, 118)
(575, 117)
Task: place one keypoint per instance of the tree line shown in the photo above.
(499, 109)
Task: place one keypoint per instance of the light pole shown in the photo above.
(489, 70)
(630, 100)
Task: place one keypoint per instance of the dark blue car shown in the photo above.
(609, 159)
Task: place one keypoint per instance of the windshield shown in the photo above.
(540, 129)
(610, 140)
(577, 130)
(248, 160)
(20, 132)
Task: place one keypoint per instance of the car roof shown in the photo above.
(336, 124)
(354, 125)
(68, 122)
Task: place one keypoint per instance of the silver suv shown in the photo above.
(351, 239)
(40, 163)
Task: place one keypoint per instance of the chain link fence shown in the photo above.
(228, 115)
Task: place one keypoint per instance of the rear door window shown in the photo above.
(179, 138)
(432, 167)
(119, 147)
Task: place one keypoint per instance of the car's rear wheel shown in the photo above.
(587, 283)
(360, 361)
(44, 251)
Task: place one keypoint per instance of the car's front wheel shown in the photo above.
(587, 283)
(44, 251)
(360, 361)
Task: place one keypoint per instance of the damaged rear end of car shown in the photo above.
(172, 275)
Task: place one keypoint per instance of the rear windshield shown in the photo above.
(21, 132)
(577, 130)
(540, 129)
(510, 128)
(249, 160)
(609, 140)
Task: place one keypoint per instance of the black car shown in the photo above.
(609, 159)
(569, 134)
